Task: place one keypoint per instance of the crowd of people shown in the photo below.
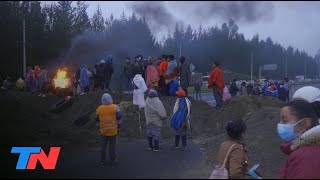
(35, 81)
(298, 126)
(275, 89)
(160, 74)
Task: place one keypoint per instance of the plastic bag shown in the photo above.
(226, 94)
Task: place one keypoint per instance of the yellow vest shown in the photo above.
(107, 119)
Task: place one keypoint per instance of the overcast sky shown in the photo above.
(288, 23)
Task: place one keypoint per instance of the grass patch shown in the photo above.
(204, 89)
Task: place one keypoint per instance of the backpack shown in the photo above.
(220, 172)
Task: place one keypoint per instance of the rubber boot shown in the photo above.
(156, 146)
(176, 142)
(184, 143)
(150, 144)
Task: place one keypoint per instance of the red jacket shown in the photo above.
(216, 77)
(162, 68)
(304, 159)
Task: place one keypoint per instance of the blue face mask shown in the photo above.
(286, 131)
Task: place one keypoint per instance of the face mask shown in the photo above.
(286, 131)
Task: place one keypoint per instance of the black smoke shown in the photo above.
(157, 15)
(161, 14)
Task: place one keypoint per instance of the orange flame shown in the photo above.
(60, 81)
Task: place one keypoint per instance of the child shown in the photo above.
(180, 120)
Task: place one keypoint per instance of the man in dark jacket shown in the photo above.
(101, 73)
(108, 72)
(127, 74)
(250, 89)
(234, 88)
(185, 74)
(136, 68)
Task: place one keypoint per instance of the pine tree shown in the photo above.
(81, 21)
(97, 20)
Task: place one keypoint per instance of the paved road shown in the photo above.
(134, 162)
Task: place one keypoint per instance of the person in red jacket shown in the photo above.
(300, 129)
(216, 82)
(162, 70)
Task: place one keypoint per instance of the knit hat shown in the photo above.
(308, 93)
(153, 93)
(106, 99)
(181, 93)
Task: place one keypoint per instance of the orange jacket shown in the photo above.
(163, 67)
(216, 78)
(107, 119)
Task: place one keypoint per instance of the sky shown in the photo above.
(295, 23)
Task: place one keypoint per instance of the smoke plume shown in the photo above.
(158, 14)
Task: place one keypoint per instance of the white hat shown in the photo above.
(308, 93)
(102, 61)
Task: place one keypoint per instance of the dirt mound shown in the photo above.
(239, 107)
(130, 118)
(36, 125)
(29, 120)
(261, 115)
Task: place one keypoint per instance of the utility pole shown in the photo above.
(24, 49)
(286, 68)
(180, 48)
(260, 68)
(305, 70)
(251, 64)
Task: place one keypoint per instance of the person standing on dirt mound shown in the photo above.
(234, 88)
(232, 153)
(84, 79)
(140, 87)
(162, 68)
(311, 95)
(31, 80)
(109, 122)
(152, 76)
(185, 74)
(127, 74)
(108, 72)
(155, 113)
(216, 82)
(243, 89)
(181, 119)
(300, 130)
(101, 74)
(41, 82)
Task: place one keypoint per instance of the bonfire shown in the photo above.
(61, 80)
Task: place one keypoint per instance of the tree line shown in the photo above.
(62, 31)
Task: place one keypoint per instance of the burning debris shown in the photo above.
(61, 80)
